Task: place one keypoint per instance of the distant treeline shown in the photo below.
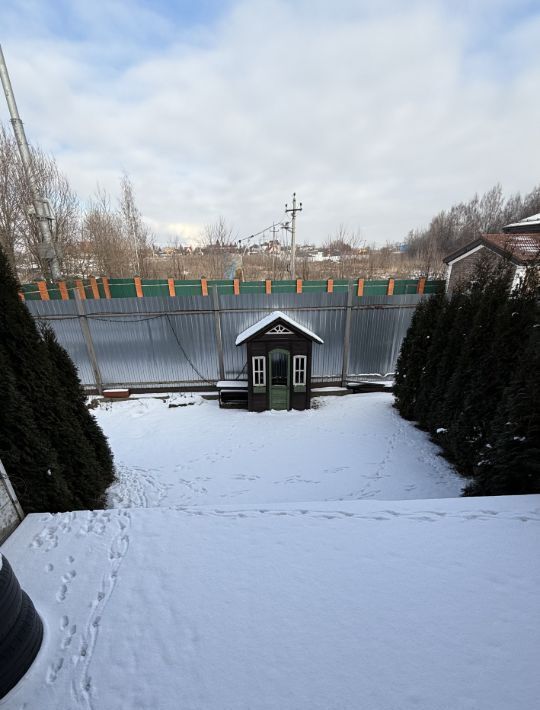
(469, 373)
(466, 221)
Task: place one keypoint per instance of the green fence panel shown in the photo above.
(122, 288)
(54, 291)
(405, 286)
(341, 285)
(224, 286)
(252, 287)
(311, 286)
(435, 287)
(101, 289)
(376, 288)
(187, 287)
(155, 287)
(284, 286)
(31, 292)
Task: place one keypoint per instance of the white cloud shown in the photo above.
(377, 117)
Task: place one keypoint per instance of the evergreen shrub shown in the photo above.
(469, 374)
(55, 454)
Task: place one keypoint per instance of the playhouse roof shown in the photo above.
(271, 318)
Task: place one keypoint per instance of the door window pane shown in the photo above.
(299, 369)
(280, 362)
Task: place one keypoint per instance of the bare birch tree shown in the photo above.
(11, 217)
(135, 231)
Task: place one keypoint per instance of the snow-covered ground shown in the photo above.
(414, 605)
(348, 448)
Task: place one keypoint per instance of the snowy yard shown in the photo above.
(414, 605)
(242, 568)
(348, 448)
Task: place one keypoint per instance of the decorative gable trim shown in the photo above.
(279, 330)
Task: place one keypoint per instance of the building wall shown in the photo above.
(463, 269)
(10, 510)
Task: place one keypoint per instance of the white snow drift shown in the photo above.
(387, 606)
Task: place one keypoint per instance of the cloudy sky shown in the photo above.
(378, 114)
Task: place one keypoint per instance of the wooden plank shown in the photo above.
(330, 286)
(390, 290)
(80, 289)
(421, 285)
(268, 286)
(94, 287)
(360, 289)
(138, 286)
(63, 290)
(298, 285)
(236, 287)
(172, 288)
(106, 287)
(43, 292)
(204, 287)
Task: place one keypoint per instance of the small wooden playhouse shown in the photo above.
(279, 363)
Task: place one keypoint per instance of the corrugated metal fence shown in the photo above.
(177, 341)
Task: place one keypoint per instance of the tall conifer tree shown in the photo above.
(414, 354)
(510, 462)
(53, 453)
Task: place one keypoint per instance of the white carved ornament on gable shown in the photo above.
(279, 330)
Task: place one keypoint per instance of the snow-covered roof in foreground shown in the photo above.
(268, 320)
(413, 605)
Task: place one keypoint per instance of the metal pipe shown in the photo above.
(347, 337)
(87, 335)
(219, 337)
(41, 205)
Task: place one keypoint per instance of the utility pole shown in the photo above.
(293, 210)
(41, 205)
(274, 232)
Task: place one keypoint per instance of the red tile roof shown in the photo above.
(524, 247)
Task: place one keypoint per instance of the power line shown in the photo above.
(252, 236)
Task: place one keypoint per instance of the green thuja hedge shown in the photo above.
(469, 374)
(55, 454)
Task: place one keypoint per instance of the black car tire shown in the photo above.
(20, 646)
(10, 599)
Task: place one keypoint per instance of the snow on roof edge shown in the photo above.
(533, 219)
(270, 318)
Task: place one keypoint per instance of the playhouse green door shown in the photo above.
(279, 379)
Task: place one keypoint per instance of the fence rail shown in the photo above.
(179, 341)
(104, 288)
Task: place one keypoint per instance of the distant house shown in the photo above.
(518, 244)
